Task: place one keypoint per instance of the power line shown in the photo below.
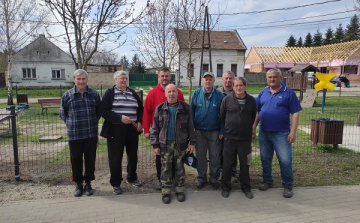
(291, 24)
(297, 19)
(278, 9)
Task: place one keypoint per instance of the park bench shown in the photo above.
(49, 103)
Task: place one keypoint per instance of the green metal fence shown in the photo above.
(43, 150)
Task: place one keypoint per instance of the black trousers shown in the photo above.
(233, 170)
(83, 148)
(123, 136)
(232, 149)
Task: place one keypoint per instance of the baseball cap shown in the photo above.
(191, 160)
(209, 74)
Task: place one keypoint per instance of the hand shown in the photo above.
(191, 148)
(254, 134)
(125, 119)
(139, 127)
(221, 137)
(291, 137)
(147, 135)
(157, 151)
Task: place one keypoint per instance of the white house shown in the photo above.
(41, 63)
(227, 53)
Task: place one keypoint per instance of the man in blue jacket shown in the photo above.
(205, 109)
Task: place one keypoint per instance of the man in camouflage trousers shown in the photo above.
(172, 130)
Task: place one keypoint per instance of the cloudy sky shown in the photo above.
(267, 23)
(271, 24)
(275, 22)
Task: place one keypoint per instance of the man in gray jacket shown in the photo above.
(238, 112)
(172, 130)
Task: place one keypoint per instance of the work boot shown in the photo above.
(225, 193)
(248, 194)
(288, 193)
(180, 196)
(265, 185)
(166, 198)
(88, 189)
(78, 190)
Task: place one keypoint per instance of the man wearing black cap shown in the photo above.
(172, 130)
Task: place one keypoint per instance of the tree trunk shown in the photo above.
(189, 74)
(10, 99)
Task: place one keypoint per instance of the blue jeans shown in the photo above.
(276, 141)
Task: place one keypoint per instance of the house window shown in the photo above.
(219, 70)
(234, 69)
(205, 68)
(351, 69)
(323, 70)
(58, 73)
(192, 70)
(29, 73)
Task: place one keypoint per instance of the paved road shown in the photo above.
(315, 204)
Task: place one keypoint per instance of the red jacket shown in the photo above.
(155, 97)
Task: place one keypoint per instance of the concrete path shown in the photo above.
(315, 204)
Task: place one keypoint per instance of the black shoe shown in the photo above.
(135, 183)
(248, 194)
(117, 190)
(78, 190)
(158, 185)
(288, 193)
(88, 190)
(225, 193)
(215, 185)
(180, 196)
(166, 198)
(265, 185)
(200, 185)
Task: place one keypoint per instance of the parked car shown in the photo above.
(336, 80)
(339, 80)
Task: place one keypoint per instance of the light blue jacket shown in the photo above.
(206, 114)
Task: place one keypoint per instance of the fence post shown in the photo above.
(15, 145)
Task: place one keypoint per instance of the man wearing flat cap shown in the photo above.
(209, 130)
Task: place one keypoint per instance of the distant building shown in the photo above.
(337, 58)
(41, 63)
(227, 52)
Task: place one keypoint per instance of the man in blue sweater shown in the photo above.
(209, 130)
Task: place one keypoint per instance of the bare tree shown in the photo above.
(19, 21)
(105, 57)
(90, 23)
(190, 17)
(153, 33)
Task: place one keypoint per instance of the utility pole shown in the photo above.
(205, 45)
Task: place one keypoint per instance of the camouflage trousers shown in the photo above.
(170, 154)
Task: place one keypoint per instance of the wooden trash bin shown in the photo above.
(22, 99)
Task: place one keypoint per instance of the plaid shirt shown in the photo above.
(81, 113)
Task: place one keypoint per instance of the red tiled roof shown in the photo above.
(221, 40)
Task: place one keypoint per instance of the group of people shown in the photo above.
(218, 124)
